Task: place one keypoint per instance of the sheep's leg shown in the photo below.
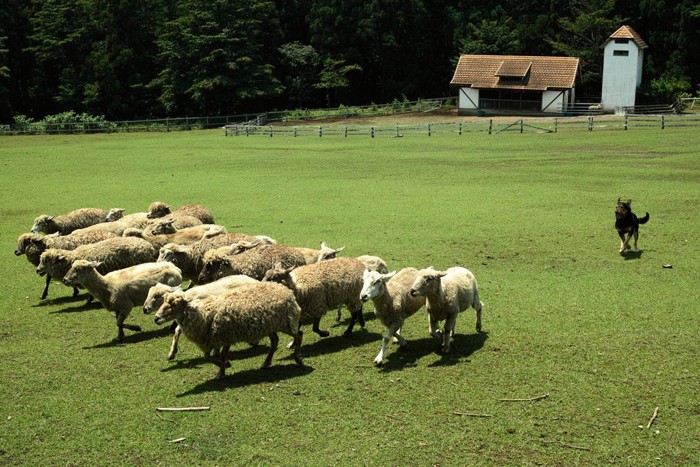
(318, 331)
(479, 306)
(173, 346)
(120, 324)
(223, 360)
(45, 293)
(398, 338)
(297, 347)
(434, 327)
(338, 315)
(354, 316)
(76, 292)
(274, 341)
(448, 333)
(391, 332)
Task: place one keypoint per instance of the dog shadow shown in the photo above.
(463, 346)
(630, 254)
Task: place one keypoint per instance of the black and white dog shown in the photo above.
(627, 224)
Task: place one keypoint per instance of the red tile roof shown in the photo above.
(626, 32)
(523, 72)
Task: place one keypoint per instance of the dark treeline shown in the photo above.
(132, 59)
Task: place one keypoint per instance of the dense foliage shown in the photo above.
(129, 59)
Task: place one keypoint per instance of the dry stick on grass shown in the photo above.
(181, 409)
(653, 417)
(566, 445)
(164, 419)
(543, 396)
(478, 415)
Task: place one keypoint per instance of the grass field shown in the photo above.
(607, 338)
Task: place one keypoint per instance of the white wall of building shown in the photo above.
(554, 101)
(622, 74)
(468, 99)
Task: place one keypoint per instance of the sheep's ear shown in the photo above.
(442, 273)
(365, 273)
(49, 218)
(278, 265)
(95, 264)
(389, 275)
(324, 245)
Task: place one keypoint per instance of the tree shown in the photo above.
(490, 37)
(213, 56)
(333, 77)
(301, 63)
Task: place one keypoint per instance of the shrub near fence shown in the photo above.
(489, 126)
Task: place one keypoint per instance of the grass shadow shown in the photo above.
(134, 338)
(85, 306)
(239, 379)
(462, 347)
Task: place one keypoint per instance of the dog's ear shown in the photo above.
(629, 201)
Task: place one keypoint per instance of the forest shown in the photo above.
(133, 59)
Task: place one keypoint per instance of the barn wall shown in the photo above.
(622, 67)
(468, 100)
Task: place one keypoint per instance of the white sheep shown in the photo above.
(33, 245)
(372, 263)
(322, 286)
(167, 226)
(67, 223)
(253, 262)
(115, 227)
(393, 303)
(447, 294)
(137, 220)
(123, 289)
(113, 253)
(157, 293)
(171, 223)
(159, 209)
(185, 236)
(245, 314)
(190, 258)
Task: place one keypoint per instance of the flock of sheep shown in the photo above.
(242, 288)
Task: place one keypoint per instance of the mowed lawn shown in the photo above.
(580, 344)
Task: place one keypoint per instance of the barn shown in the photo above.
(515, 84)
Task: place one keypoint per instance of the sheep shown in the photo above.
(245, 314)
(372, 263)
(321, 286)
(254, 262)
(113, 253)
(447, 293)
(67, 223)
(313, 255)
(115, 227)
(121, 290)
(164, 227)
(184, 236)
(157, 293)
(138, 220)
(158, 209)
(33, 245)
(172, 223)
(190, 258)
(393, 303)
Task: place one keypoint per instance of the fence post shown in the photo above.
(270, 131)
(556, 124)
(626, 122)
(590, 123)
(429, 129)
(371, 131)
(320, 131)
(663, 122)
(490, 125)
(460, 128)
(521, 125)
(346, 131)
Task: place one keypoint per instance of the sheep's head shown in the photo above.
(212, 269)
(427, 282)
(279, 274)
(173, 307)
(79, 270)
(41, 223)
(23, 242)
(328, 252)
(114, 214)
(156, 297)
(164, 227)
(158, 209)
(374, 284)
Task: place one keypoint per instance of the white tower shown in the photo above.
(622, 69)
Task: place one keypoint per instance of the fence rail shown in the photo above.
(488, 126)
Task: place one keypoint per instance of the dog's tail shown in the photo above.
(644, 220)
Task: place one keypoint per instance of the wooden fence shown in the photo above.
(486, 126)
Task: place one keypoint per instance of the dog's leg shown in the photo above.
(622, 241)
(636, 236)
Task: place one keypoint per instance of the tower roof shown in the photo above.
(626, 32)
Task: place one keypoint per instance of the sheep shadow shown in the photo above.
(79, 308)
(462, 347)
(132, 338)
(243, 378)
(67, 299)
(336, 343)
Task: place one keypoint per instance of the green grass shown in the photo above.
(607, 337)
